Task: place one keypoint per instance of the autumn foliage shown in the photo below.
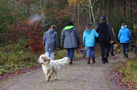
(74, 2)
(63, 13)
(28, 36)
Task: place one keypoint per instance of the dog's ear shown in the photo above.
(45, 59)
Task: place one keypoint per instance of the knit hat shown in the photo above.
(103, 18)
(89, 24)
(69, 23)
(123, 24)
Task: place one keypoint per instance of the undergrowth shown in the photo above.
(13, 58)
(128, 71)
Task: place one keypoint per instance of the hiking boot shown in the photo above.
(88, 61)
(103, 60)
(93, 60)
(126, 55)
(112, 55)
(70, 62)
(106, 59)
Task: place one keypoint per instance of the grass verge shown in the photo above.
(126, 74)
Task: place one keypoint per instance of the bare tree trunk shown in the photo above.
(124, 7)
(10, 4)
(27, 8)
(102, 2)
(106, 9)
(92, 12)
(43, 6)
(78, 15)
(131, 17)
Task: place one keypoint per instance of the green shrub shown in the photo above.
(12, 59)
(129, 72)
(5, 20)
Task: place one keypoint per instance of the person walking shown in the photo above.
(124, 36)
(50, 42)
(70, 39)
(89, 42)
(112, 45)
(105, 38)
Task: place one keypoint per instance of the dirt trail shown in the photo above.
(79, 76)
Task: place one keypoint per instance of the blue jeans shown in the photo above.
(50, 55)
(70, 53)
(125, 48)
(90, 52)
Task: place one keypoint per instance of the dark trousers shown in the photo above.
(105, 46)
(111, 49)
(125, 47)
(70, 53)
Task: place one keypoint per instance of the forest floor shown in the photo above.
(79, 76)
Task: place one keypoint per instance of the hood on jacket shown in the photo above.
(51, 31)
(103, 24)
(69, 28)
(87, 31)
(123, 28)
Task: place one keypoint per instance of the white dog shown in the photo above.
(50, 67)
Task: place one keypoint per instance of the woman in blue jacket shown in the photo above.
(124, 36)
(89, 42)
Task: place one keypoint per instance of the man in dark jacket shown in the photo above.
(50, 42)
(70, 39)
(105, 38)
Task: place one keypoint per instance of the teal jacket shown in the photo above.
(89, 38)
(124, 35)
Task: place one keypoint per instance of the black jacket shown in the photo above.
(105, 32)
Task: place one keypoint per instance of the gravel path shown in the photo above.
(79, 76)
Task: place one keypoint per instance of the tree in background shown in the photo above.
(76, 2)
(116, 11)
(59, 11)
(16, 13)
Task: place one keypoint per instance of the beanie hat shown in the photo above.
(89, 24)
(103, 18)
(69, 23)
(123, 24)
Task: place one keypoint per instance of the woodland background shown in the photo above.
(24, 22)
(15, 15)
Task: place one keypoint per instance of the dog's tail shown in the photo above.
(62, 61)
